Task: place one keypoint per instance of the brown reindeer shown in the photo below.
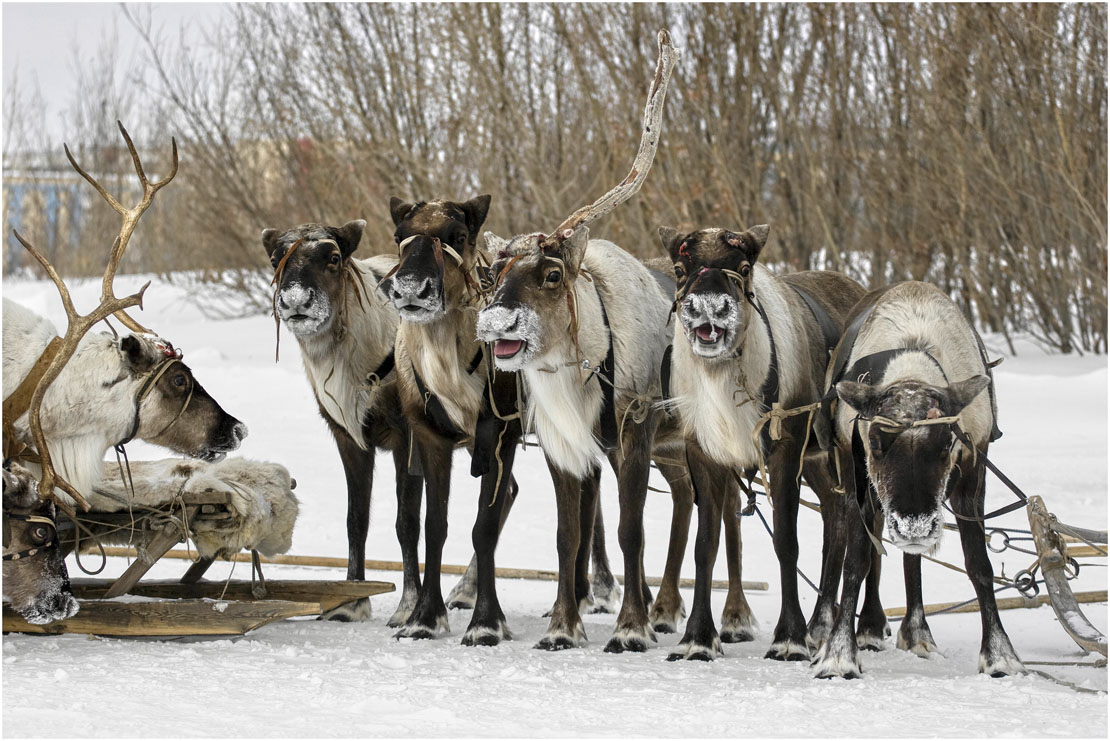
(452, 396)
(346, 328)
(35, 577)
(746, 344)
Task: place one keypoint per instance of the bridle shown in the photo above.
(47, 544)
(471, 278)
(173, 356)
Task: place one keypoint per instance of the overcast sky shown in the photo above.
(40, 39)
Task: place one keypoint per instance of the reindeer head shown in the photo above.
(436, 242)
(909, 458)
(713, 268)
(308, 262)
(530, 313)
(173, 409)
(35, 576)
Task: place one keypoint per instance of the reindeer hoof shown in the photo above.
(555, 643)
(787, 651)
(737, 635)
(486, 635)
(663, 626)
(356, 611)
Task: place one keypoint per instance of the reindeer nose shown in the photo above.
(413, 288)
(297, 297)
(239, 432)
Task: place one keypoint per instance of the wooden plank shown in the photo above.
(162, 541)
(1005, 603)
(194, 573)
(1050, 552)
(328, 594)
(502, 572)
(165, 619)
(1085, 551)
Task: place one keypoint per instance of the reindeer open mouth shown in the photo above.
(505, 349)
(709, 334)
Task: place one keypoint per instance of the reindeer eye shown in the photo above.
(335, 258)
(459, 239)
(745, 270)
(40, 533)
(274, 260)
(679, 271)
(180, 381)
(553, 278)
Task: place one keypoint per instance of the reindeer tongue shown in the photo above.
(507, 348)
(707, 333)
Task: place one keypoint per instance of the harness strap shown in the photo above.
(384, 369)
(17, 404)
(609, 436)
(829, 329)
(665, 372)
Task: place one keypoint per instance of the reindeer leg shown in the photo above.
(465, 591)
(429, 616)
(409, 489)
(700, 641)
(565, 629)
(832, 553)
(633, 631)
(914, 635)
(603, 585)
(589, 507)
(789, 642)
(873, 628)
(996, 655)
(668, 607)
(839, 655)
(487, 624)
(358, 468)
(738, 625)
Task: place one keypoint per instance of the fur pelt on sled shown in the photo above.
(263, 508)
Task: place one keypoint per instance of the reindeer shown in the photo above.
(346, 328)
(566, 304)
(451, 396)
(747, 346)
(912, 431)
(35, 576)
(109, 389)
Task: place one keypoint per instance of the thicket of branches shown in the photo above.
(964, 145)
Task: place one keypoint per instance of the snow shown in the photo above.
(311, 678)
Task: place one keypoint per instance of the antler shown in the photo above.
(130, 216)
(649, 143)
(79, 325)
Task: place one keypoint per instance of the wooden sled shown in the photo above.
(189, 606)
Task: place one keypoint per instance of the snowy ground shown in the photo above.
(309, 678)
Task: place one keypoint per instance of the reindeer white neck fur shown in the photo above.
(338, 371)
(91, 405)
(562, 406)
(721, 412)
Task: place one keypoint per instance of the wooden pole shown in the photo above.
(341, 563)
(1006, 603)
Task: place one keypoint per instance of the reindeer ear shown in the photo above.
(750, 242)
(573, 249)
(136, 354)
(670, 239)
(493, 244)
(962, 393)
(349, 235)
(270, 241)
(398, 209)
(476, 210)
(860, 396)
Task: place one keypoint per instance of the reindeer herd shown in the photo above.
(704, 363)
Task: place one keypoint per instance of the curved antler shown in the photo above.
(78, 325)
(649, 143)
(130, 216)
